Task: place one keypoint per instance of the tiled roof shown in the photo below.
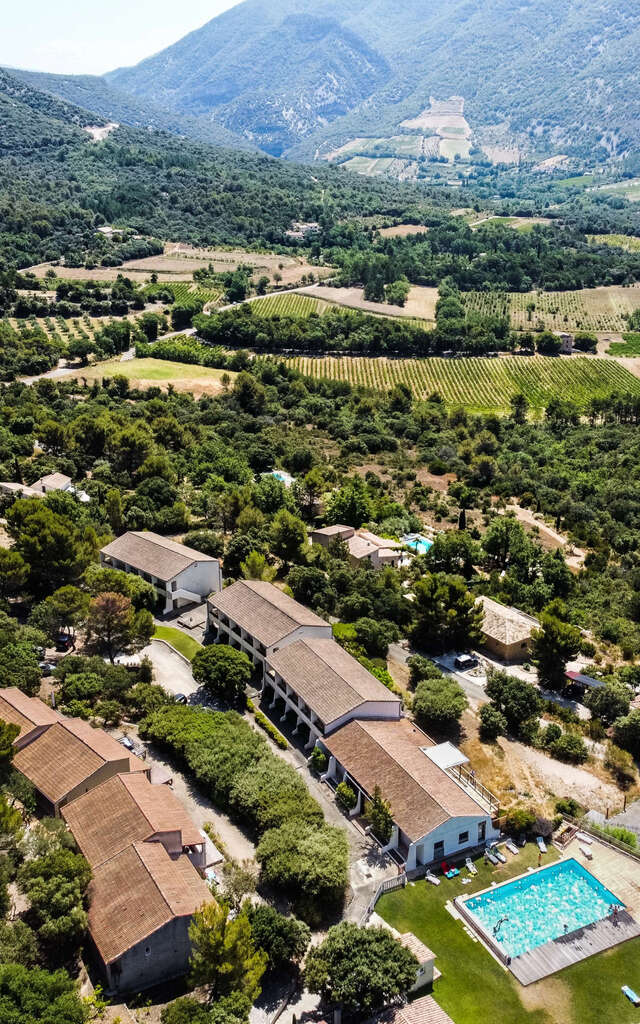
(415, 945)
(420, 1011)
(138, 891)
(124, 810)
(506, 625)
(67, 754)
(422, 795)
(329, 680)
(27, 712)
(153, 554)
(54, 481)
(264, 611)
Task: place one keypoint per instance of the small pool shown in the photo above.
(418, 543)
(541, 906)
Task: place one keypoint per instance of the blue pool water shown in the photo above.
(539, 905)
(418, 543)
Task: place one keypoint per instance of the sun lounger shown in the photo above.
(471, 866)
(586, 852)
(511, 847)
(542, 846)
(584, 838)
(631, 995)
(430, 877)
(490, 855)
(499, 854)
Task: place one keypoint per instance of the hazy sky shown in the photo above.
(88, 37)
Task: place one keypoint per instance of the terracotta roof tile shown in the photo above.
(329, 680)
(27, 712)
(506, 625)
(138, 891)
(420, 1011)
(264, 611)
(422, 795)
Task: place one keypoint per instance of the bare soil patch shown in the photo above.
(438, 483)
(403, 230)
(421, 304)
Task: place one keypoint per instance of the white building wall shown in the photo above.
(202, 578)
(370, 709)
(423, 850)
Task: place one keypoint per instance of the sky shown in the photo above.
(85, 37)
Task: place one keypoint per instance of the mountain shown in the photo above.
(94, 93)
(302, 77)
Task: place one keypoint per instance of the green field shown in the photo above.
(480, 384)
(290, 305)
(629, 242)
(150, 369)
(629, 346)
(182, 643)
(475, 989)
(455, 147)
(628, 189)
(576, 181)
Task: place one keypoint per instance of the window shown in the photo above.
(482, 831)
(147, 951)
(463, 838)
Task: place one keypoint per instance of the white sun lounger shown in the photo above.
(471, 866)
(584, 838)
(499, 854)
(586, 852)
(511, 847)
(430, 877)
(542, 846)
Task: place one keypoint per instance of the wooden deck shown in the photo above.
(570, 949)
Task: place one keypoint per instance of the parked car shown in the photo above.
(47, 667)
(126, 742)
(465, 661)
(180, 698)
(63, 642)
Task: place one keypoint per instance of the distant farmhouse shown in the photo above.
(180, 575)
(45, 485)
(506, 632)
(363, 546)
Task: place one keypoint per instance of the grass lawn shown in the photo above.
(150, 369)
(629, 346)
(180, 641)
(475, 989)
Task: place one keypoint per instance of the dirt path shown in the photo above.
(550, 539)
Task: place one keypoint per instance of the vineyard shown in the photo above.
(592, 309)
(184, 292)
(480, 384)
(629, 242)
(289, 304)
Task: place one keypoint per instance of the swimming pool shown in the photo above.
(540, 907)
(418, 543)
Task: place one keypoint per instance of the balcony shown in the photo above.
(467, 780)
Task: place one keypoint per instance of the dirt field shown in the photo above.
(421, 304)
(147, 373)
(502, 154)
(403, 230)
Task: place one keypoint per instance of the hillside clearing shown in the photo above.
(143, 373)
(629, 242)
(480, 384)
(421, 304)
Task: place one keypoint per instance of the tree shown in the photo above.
(608, 702)
(553, 645)
(56, 885)
(223, 955)
(47, 542)
(361, 969)
(288, 536)
(492, 722)
(378, 814)
(453, 552)
(39, 997)
(113, 627)
(285, 940)
(626, 732)
(114, 511)
(345, 796)
(569, 747)
(206, 541)
(519, 408)
(223, 671)
(14, 573)
(439, 703)
(240, 881)
(65, 610)
(350, 505)
(256, 567)
(309, 862)
(516, 699)
(447, 615)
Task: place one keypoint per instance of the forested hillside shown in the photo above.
(554, 74)
(57, 186)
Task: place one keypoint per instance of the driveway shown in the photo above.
(170, 670)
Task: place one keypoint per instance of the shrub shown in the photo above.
(570, 747)
(551, 734)
(319, 761)
(346, 796)
(264, 723)
(623, 835)
(568, 805)
(519, 819)
(621, 764)
(492, 722)
(439, 703)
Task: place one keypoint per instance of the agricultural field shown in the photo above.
(480, 384)
(452, 148)
(291, 304)
(184, 291)
(628, 189)
(371, 167)
(592, 309)
(421, 304)
(195, 380)
(403, 230)
(61, 330)
(525, 224)
(629, 242)
(628, 347)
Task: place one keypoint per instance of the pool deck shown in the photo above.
(571, 949)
